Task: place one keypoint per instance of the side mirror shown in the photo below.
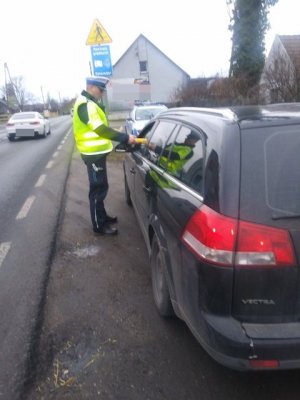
(120, 148)
(125, 148)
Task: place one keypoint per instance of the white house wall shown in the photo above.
(277, 52)
(164, 76)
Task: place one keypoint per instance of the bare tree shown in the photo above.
(2, 93)
(282, 80)
(16, 94)
(22, 95)
(215, 92)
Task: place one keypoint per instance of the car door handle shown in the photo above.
(132, 170)
(147, 189)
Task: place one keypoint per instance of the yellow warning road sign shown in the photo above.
(98, 34)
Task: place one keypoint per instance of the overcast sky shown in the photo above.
(44, 41)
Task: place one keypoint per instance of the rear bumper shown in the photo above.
(25, 133)
(228, 341)
(206, 306)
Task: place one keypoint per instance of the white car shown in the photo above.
(27, 124)
(140, 115)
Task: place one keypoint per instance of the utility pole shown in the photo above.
(43, 98)
(5, 84)
(59, 103)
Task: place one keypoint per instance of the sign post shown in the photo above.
(101, 60)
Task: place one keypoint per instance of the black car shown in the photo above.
(217, 195)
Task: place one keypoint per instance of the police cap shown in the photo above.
(193, 136)
(98, 81)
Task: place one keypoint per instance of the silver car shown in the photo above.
(27, 124)
(140, 115)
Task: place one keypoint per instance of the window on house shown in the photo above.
(143, 66)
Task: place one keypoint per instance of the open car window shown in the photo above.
(158, 140)
(148, 130)
(182, 157)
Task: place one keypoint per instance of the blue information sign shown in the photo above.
(101, 60)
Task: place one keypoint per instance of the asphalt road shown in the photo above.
(33, 173)
(102, 337)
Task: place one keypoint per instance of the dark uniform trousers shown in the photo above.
(98, 190)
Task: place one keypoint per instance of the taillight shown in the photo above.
(226, 241)
(211, 236)
(263, 245)
(9, 124)
(34, 123)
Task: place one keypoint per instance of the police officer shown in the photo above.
(93, 140)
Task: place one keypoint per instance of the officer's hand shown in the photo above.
(131, 139)
(151, 146)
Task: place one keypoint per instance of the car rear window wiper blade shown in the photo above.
(285, 216)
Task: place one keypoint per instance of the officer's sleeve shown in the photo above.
(88, 114)
(109, 133)
(83, 113)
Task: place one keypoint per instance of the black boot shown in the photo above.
(111, 220)
(106, 230)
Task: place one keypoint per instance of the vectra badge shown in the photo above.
(258, 302)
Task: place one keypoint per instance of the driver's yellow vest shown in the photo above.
(174, 166)
(87, 141)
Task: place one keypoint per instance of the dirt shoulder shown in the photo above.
(102, 337)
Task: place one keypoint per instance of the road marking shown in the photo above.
(4, 249)
(26, 207)
(59, 147)
(40, 181)
(49, 165)
(55, 154)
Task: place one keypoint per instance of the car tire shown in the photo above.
(44, 135)
(11, 138)
(160, 288)
(127, 192)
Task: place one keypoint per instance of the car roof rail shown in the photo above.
(220, 112)
(147, 103)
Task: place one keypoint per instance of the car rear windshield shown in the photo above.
(23, 116)
(270, 173)
(147, 113)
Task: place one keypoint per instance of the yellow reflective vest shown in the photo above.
(87, 141)
(175, 166)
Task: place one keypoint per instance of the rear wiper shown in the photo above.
(285, 216)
